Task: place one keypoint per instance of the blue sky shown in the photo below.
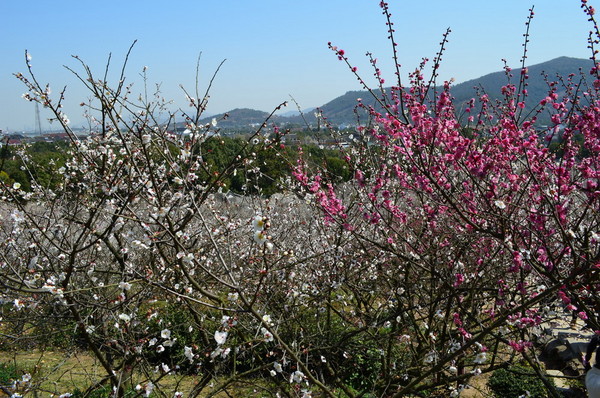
(273, 49)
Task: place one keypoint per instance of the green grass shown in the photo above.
(8, 373)
(58, 372)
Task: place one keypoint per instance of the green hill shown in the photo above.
(238, 118)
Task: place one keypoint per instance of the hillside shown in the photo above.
(537, 87)
(341, 110)
(239, 117)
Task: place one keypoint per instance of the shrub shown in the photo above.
(8, 373)
(516, 381)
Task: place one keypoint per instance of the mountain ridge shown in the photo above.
(341, 110)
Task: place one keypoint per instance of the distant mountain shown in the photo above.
(239, 117)
(341, 110)
(537, 88)
(296, 112)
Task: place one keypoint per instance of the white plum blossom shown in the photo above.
(187, 258)
(220, 352)
(216, 352)
(277, 367)
(260, 237)
(500, 204)
(405, 338)
(184, 154)
(17, 216)
(454, 346)
(149, 388)
(165, 334)
(169, 343)
(267, 336)
(297, 377)
(258, 223)
(124, 285)
(430, 358)
(220, 337)
(125, 317)
(269, 247)
(19, 304)
(64, 118)
(232, 296)
(56, 291)
(480, 358)
(189, 354)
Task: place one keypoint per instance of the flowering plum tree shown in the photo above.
(440, 259)
(466, 233)
(135, 253)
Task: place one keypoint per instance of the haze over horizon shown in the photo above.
(272, 50)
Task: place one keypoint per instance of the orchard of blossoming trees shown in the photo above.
(438, 262)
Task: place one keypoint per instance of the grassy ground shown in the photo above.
(55, 372)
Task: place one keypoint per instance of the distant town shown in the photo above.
(292, 136)
(18, 138)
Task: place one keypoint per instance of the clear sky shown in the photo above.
(273, 49)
